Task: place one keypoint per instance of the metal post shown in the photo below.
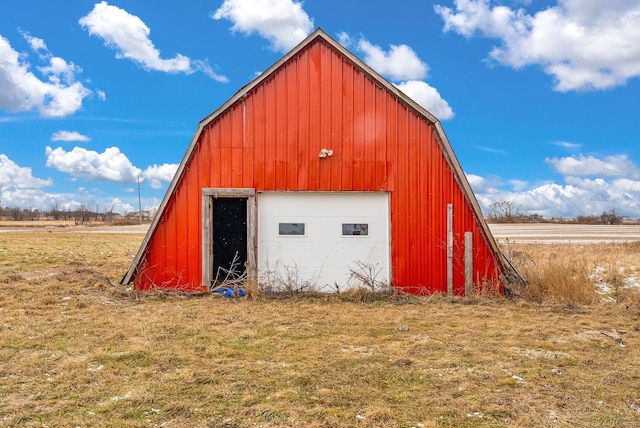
(468, 263)
(139, 200)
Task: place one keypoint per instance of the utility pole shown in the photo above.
(139, 200)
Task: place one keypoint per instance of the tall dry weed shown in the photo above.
(630, 298)
(560, 277)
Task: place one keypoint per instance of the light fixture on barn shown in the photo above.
(325, 153)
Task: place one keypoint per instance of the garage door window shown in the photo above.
(291, 229)
(355, 229)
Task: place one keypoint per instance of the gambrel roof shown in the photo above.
(319, 36)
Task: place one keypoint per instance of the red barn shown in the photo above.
(316, 170)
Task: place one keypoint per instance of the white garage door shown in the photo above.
(316, 239)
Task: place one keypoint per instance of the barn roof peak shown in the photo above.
(315, 36)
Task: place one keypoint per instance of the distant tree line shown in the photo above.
(84, 213)
(608, 217)
(500, 212)
(507, 212)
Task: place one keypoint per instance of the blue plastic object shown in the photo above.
(231, 292)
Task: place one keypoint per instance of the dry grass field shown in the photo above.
(77, 349)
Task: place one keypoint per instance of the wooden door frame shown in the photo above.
(208, 194)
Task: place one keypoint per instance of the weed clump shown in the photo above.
(560, 279)
(571, 275)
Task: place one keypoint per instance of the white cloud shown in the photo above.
(567, 145)
(479, 184)
(20, 189)
(36, 43)
(156, 174)
(17, 177)
(69, 136)
(402, 66)
(345, 39)
(577, 196)
(111, 165)
(129, 36)
(400, 62)
(18, 186)
(204, 67)
(59, 94)
(610, 166)
(26, 198)
(428, 97)
(518, 185)
(119, 206)
(283, 22)
(583, 44)
(490, 150)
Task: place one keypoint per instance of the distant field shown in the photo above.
(556, 233)
(77, 349)
(69, 227)
(522, 233)
(16, 224)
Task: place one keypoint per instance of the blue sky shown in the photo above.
(540, 99)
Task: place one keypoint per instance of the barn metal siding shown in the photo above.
(270, 138)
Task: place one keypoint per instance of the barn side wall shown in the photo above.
(270, 140)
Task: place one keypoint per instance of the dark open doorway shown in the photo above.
(229, 238)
